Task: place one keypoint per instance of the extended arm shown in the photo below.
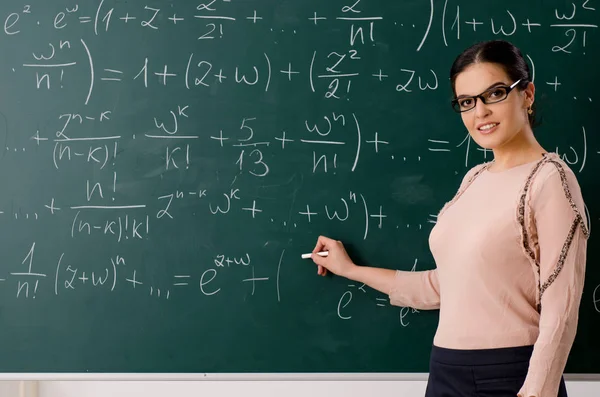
(419, 290)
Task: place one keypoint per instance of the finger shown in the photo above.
(319, 244)
(321, 271)
(318, 259)
(322, 243)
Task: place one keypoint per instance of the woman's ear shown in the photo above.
(529, 92)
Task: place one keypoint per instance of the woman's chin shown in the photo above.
(485, 142)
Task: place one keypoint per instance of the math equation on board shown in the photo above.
(233, 133)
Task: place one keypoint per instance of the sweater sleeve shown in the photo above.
(562, 232)
(418, 290)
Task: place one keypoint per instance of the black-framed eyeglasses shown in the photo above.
(493, 95)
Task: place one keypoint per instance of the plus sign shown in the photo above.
(175, 19)
(83, 278)
(253, 209)
(485, 152)
(164, 74)
(308, 213)
(284, 140)
(127, 18)
(529, 25)
(555, 84)
(289, 72)
(133, 281)
(377, 142)
(380, 76)
(315, 18)
(254, 18)
(37, 138)
(220, 76)
(51, 207)
(380, 216)
(474, 23)
(254, 279)
(220, 137)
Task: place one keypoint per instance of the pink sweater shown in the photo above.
(510, 253)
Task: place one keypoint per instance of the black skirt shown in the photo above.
(480, 373)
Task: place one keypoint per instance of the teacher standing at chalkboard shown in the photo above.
(510, 247)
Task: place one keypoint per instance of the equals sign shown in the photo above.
(180, 284)
(85, 19)
(440, 143)
(114, 72)
(433, 220)
(381, 300)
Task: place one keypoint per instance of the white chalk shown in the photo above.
(322, 253)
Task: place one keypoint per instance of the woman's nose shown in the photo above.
(481, 109)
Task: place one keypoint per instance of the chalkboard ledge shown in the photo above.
(48, 376)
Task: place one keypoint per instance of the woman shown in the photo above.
(510, 247)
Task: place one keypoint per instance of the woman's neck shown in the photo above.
(522, 149)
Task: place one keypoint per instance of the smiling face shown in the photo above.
(493, 125)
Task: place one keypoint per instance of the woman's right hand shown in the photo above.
(337, 261)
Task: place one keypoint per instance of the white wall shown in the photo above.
(253, 389)
(239, 388)
(236, 388)
(9, 389)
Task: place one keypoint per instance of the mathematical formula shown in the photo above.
(236, 120)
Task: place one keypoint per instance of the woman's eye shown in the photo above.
(465, 102)
(497, 93)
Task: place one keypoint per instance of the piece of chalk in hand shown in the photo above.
(322, 253)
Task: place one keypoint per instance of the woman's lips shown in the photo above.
(485, 128)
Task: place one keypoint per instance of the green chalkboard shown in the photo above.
(165, 164)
